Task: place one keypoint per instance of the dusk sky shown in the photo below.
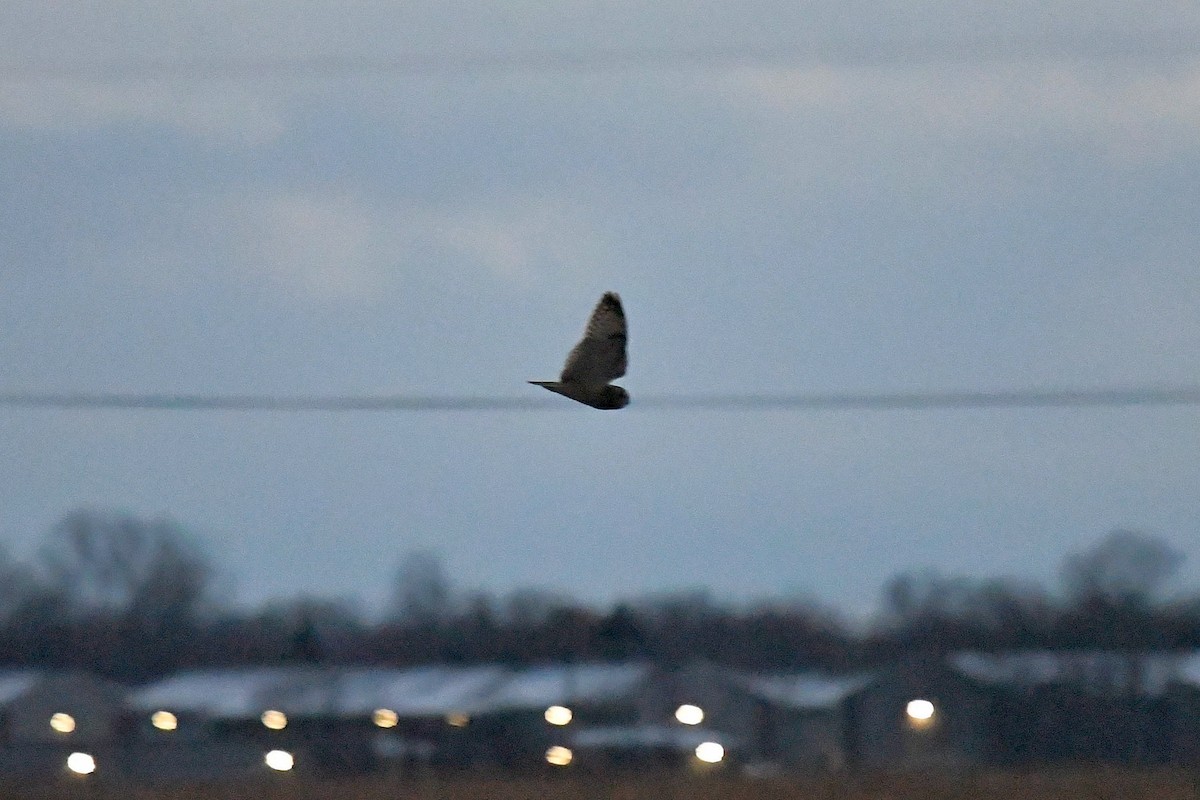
(428, 198)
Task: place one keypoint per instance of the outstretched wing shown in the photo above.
(600, 356)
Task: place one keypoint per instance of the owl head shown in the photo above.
(612, 397)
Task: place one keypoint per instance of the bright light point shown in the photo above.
(558, 715)
(275, 720)
(457, 720)
(81, 763)
(279, 760)
(919, 710)
(385, 718)
(710, 752)
(689, 714)
(164, 720)
(559, 756)
(63, 723)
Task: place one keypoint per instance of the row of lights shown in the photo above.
(85, 764)
(918, 712)
(276, 720)
(686, 714)
(706, 752)
(283, 761)
(921, 714)
(383, 718)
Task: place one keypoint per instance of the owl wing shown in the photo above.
(600, 355)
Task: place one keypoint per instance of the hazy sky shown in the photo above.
(429, 197)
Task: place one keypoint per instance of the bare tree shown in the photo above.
(1116, 595)
(938, 612)
(528, 608)
(423, 594)
(1126, 568)
(115, 563)
(17, 587)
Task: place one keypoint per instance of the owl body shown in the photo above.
(605, 398)
(599, 358)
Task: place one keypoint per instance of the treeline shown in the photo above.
(135, 599)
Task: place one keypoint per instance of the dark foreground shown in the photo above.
(1066, 784)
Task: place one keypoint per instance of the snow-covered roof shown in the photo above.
(802, 691)
(223, 693)
(16, 683)
(565, 684)
(1148, 673)
(438, 691)
(1188, 669)
(416, 692)
(246, 693)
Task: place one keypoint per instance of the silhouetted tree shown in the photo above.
(133, 598)
(1116, 592)
(119, 564)
(935, 613)
(619, 635)
(423, 595)
(133, 590)
(33, 628)
(1126, 568)
(528, 608)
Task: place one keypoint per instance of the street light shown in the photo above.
(385, 718)
(164, 720)
(275, 720)
(279, 760)
(62, 723)
(921, 714)
(558, 715)
(81, 763)
(559, 756)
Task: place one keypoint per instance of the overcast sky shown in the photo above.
(429, 197)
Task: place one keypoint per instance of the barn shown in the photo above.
(45, 717)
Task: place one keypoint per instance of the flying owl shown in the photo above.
(597, 359)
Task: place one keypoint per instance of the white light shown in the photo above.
(385, 718)
(689, 714)
(81, 763)
(558, 715)
(164, 720)
(279, 760)
(919, 710)
(710, 752)
(63, 723)
(275, 720)
(559, 756)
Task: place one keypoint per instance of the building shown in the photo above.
(47, 716)
(798, 720)
(1094, 706)
(919, 714)
(330, 719)
(960, 711)
(541, 707)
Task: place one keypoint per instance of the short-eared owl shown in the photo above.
(597, 359)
